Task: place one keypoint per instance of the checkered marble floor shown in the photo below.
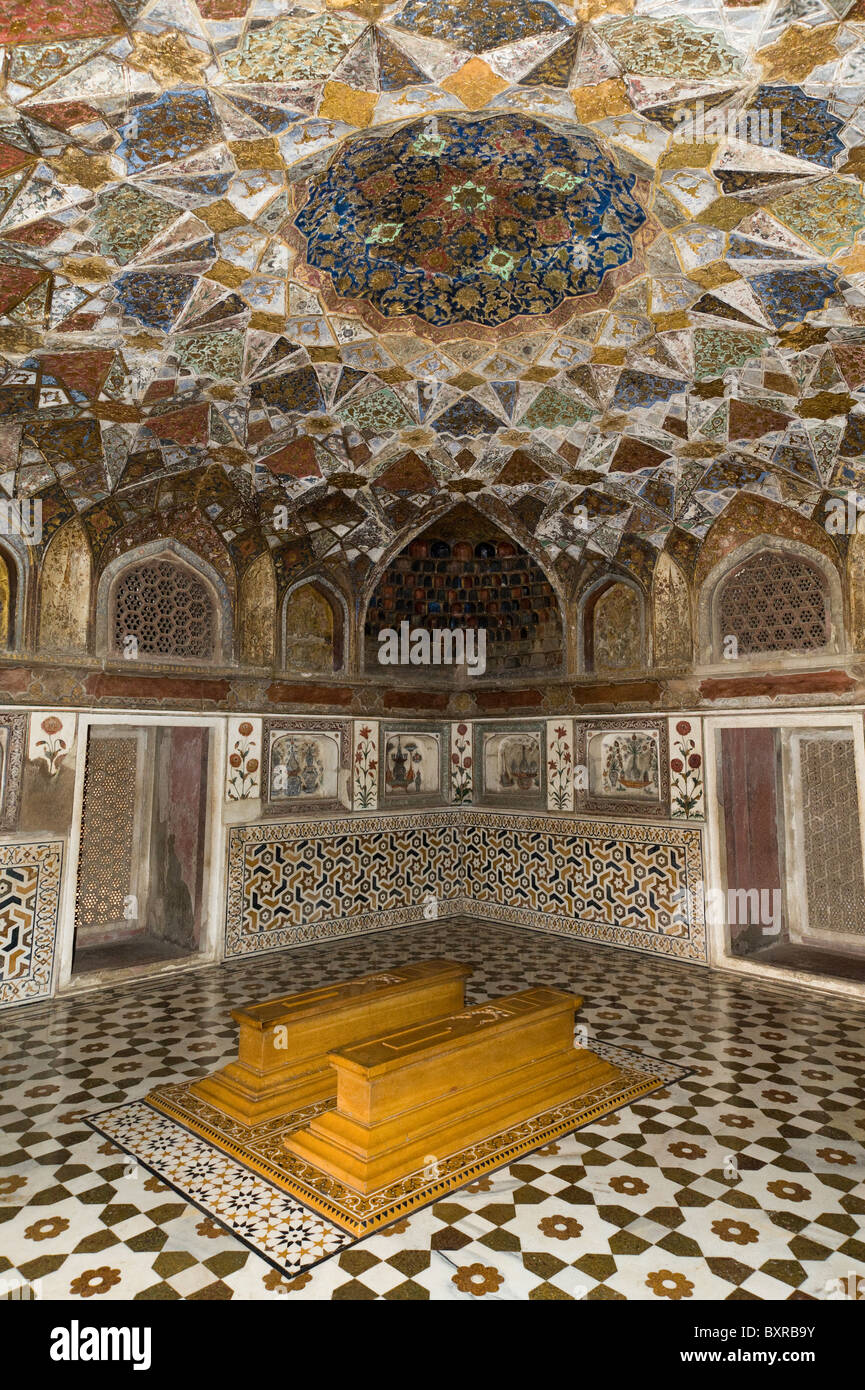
(743, 1181)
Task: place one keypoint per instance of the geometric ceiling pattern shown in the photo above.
(321, 271)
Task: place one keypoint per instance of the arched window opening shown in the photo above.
(162, 609)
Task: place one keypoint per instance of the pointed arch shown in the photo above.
(612, 626)
(171, 601)
(314, 626)
(468, 567)
(771, 595)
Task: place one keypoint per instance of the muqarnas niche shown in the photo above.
(464, 572)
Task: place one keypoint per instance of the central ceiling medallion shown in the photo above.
(467, 221)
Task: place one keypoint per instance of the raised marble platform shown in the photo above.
(420, 1092)
(284, 1044)
(138, 1129)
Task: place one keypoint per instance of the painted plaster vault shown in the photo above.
(543, 322)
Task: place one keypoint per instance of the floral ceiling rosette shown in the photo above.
(457, 219)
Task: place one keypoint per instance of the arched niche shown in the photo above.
(612, 624)
(64, 591)
(770, 596)
(671, 614)
(314, 627)
(163, 603)
(12, 570)
(461, 572)
(257, 612)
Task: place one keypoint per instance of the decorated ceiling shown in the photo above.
(316, 275)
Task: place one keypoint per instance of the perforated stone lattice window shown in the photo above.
(166, 609)
(774, 602)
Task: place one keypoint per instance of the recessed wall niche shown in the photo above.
(140, 892)
(464, 572)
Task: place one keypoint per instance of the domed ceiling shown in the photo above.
(318, 274)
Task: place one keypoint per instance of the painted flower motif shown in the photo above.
(665, 1284)
(478, 1279)
(686, 783)
(95, 1281)
(559, 786)
(53, 749)
(461, 777)
(780, 1097)
(47, 1228)
(241, 785)
(560, 1227)
(739, 1232)
(11, 1184)
(364, 771)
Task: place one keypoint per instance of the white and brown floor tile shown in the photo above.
(744, 1180)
